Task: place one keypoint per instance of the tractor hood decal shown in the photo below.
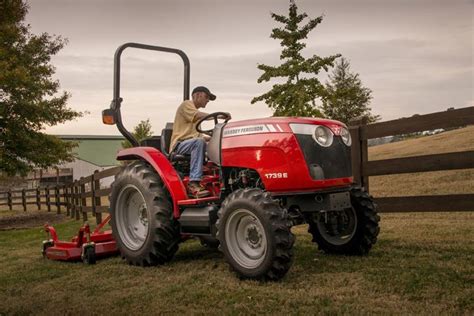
(251, 129)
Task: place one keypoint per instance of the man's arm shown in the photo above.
(199, 115)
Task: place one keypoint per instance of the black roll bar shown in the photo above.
(117, 100)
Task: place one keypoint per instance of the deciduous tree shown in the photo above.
(140, 132)
(28, 95)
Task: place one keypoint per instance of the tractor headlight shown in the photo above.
(346, 136)
(323, 136)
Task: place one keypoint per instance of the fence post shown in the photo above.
(73, 199)
(93, 193)
(364, 151)
(354, 129)
(56, 197)
(355, 153)
(68, 199)
(48, 198)
(23, 199)
(64, 195)
(38, 198)
(359, 150)
(83, 199)
(96, 199)
(76, 200)
(9, 199)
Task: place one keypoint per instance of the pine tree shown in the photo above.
(140, 132)
(297, 96)
(28, 100)
(345, 97)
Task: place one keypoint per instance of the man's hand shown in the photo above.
(230, 116)
(207, 138)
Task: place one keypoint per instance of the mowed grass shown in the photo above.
(422, 264)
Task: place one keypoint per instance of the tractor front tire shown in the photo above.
(357, 228)
(255, 235)
(142, 216)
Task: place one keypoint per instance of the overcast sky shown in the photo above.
(415, 55)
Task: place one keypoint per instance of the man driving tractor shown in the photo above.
(186, 140)
(264, 176)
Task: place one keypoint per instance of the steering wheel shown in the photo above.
(215, 116)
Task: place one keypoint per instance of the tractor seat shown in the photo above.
(165, 145)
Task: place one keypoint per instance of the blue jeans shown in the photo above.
(196, 147)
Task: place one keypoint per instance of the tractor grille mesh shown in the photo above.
(326, 162)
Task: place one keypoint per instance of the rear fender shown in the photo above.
(164, 168)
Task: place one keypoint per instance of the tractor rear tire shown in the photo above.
(142, 216)
(255, 235)
(359, 239)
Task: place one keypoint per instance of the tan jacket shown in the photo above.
(184, 126)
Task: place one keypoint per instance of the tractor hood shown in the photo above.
(278, 124)
(290, 154)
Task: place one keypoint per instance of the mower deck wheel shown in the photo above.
(88, 254)
(46, 244)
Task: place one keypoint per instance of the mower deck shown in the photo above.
(86, 246)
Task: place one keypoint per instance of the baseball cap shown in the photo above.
(212, 97)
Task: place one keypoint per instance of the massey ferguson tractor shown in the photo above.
(265, 176)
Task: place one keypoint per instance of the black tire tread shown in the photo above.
(365, 238)
(280, 228)
(166, 236)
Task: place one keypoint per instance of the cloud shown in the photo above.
(416, 55)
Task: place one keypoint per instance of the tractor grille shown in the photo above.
(326, 162)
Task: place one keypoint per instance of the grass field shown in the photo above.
(421, 264)
(425, 183)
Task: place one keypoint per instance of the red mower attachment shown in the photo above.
(86, 246)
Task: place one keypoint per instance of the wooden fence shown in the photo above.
(84, 196)
(363, 168)
(81, 197)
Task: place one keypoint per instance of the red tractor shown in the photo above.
(265, 176)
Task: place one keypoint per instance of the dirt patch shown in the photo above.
(29, 220)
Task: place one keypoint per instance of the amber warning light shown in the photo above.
(108, 117)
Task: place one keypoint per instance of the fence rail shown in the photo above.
(84, 196)
(363, 168)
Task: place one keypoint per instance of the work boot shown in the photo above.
(197, 190)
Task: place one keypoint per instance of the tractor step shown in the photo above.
(198, 220)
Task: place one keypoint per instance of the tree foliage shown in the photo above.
(297, 96)
(140, 132)
(28, 100)
(345, 97)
